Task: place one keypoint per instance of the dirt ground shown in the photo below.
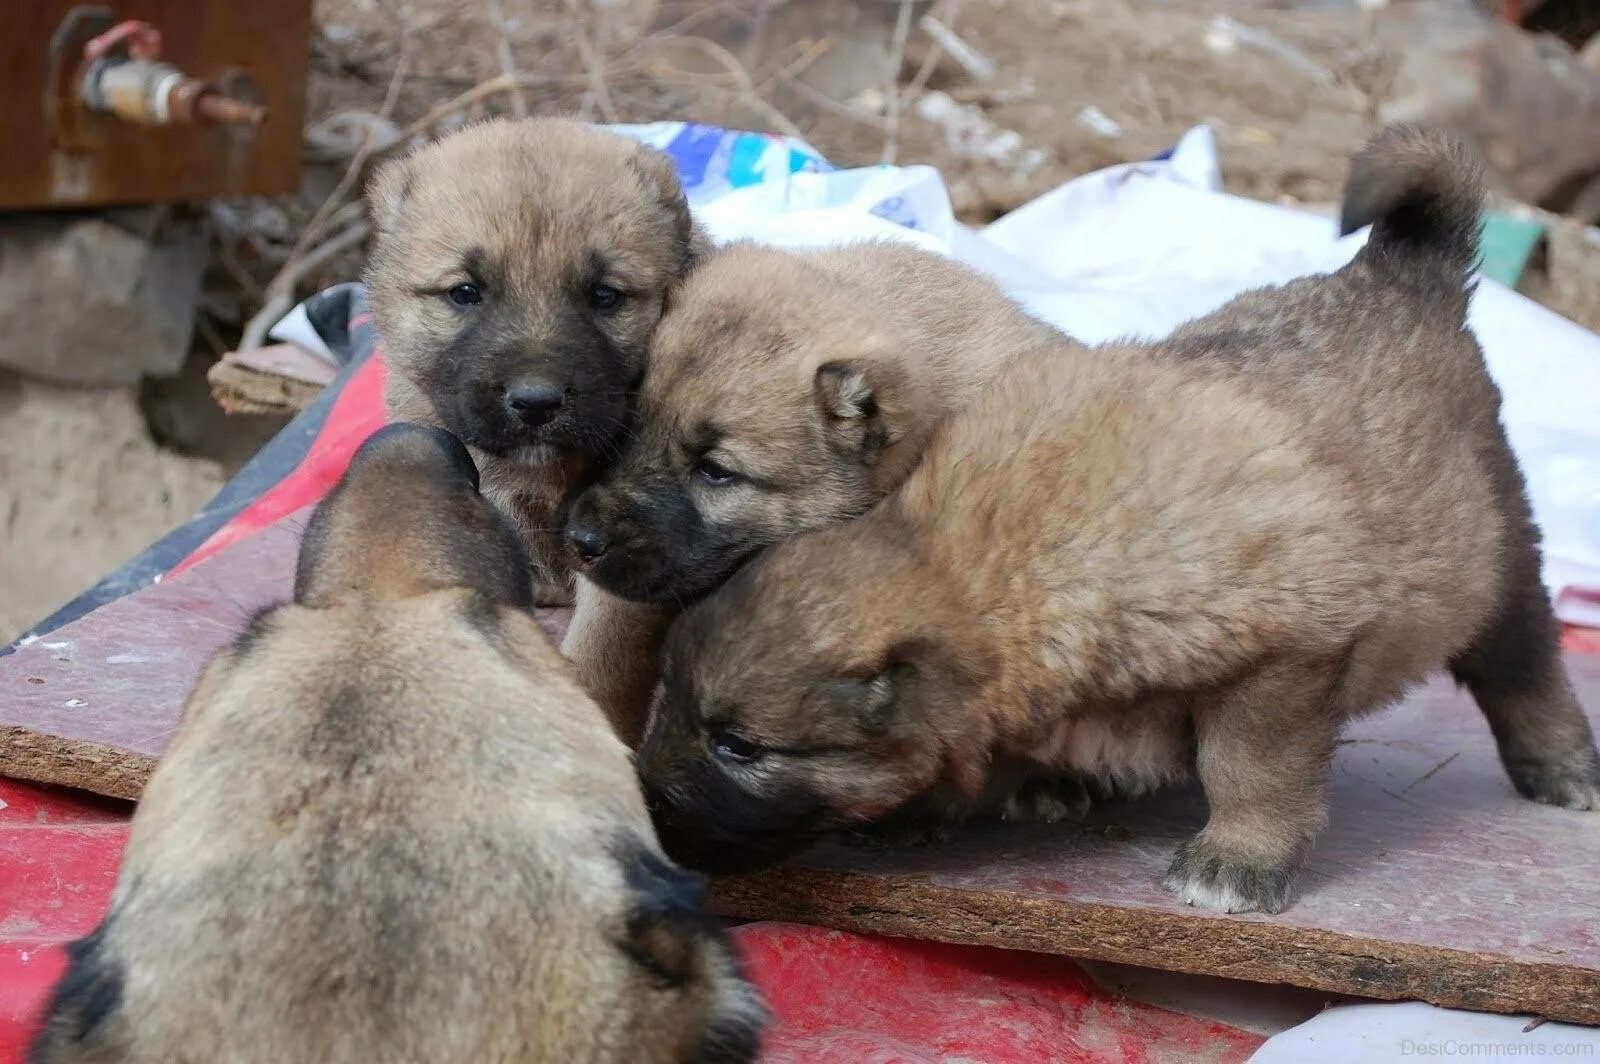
(1290, 87)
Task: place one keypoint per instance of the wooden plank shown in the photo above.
(1435, 881)
(277, 379)
(93, 704)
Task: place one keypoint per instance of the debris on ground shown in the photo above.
(1007, 98)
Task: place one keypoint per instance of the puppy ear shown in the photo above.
(854, 397)
(880, 698)
(388, 191)
(661, 174)
(668, 924)
(880, 701)
(84, 1003)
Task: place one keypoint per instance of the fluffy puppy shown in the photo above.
(391, 829)
(785, 391)
(1209, 551)
(519, 270)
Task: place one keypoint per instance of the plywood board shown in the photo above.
(1435, 881)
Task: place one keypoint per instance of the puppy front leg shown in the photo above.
(615, 648)
(1265, 748)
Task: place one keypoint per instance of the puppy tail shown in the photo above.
(1422, 192)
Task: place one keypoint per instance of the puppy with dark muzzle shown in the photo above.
(392, 829)
(519, 271)
(785, 391)
(1203, 554)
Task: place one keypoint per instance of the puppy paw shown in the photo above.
(1570, 785)
(1046, 800)
(1207, 876)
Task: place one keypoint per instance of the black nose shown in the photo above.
(588, 541)
(535, 402)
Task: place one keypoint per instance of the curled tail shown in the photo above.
(1421, 190)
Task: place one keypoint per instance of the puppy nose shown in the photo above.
(588, 541)
(535, 402)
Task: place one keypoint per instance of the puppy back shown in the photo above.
(1422, 192)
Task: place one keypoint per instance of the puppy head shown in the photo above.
(519, 270)
(405, 519)
(770, 406)
(825, 685)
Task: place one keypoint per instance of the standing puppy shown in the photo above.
(391, 829)
(519, 270)
(785, 391)
(1209, 551)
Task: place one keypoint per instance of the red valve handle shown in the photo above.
(142, 39)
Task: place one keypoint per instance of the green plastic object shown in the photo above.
(1507, 244)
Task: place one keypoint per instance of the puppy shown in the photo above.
(785, 391)
(518, 273)
(390, 828)
(1208, 551)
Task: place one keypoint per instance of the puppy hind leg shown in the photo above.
(1265, 748)
(1515, 674)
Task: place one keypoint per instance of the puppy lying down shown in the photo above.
(391, 829)
(1200, 555)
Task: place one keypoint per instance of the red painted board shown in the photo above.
(836, 998)
(839, 998)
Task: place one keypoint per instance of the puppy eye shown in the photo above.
(731, 747)
(604, 297)
(714, 472)
(466, 295)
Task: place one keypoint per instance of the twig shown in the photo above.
(280, 293)
(230, 262)
(758, 29)
(1224, 28)
(208, 332)
(977, 66)
(897, 57)
(352, 173)
(809, 54)
(599, 94)
(828, 103)
(440, 111)
(508, 61)
(481, 91)
(678, 28)
(951, 9)
(744, 88)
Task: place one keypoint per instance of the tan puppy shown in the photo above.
(785, 391)
(519, 270)
(391, 829)
(1209, 552)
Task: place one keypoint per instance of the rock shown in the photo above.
(1528, 100)
(83, 488)
(102, 298)
(1538, 116)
